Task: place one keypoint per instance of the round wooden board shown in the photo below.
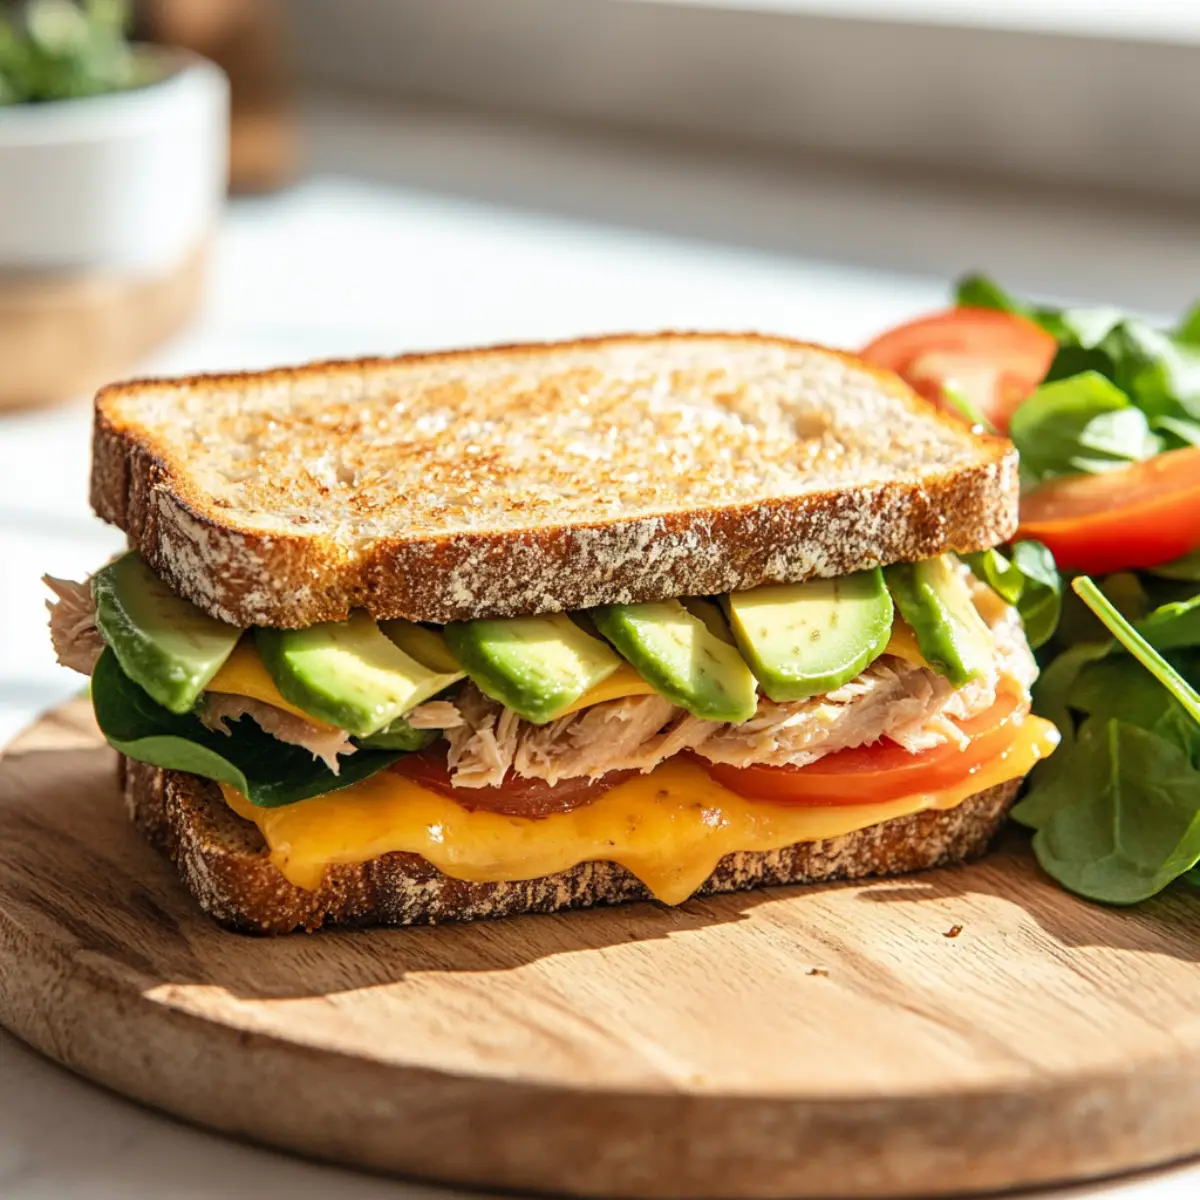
(835, 1041)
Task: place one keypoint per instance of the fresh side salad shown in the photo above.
(1104, 409)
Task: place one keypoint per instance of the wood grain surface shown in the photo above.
(967, 1030)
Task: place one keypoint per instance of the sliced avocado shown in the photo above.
(426, 645)
(712, 616)
(934, 599)
(163, 642)
(802, 639)
(677, 654)
(347, 673)
(537, 666)
(399, 735)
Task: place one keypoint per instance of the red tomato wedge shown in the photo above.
(516, 796)
(1142, 515)
(883, 771)
(995, 359)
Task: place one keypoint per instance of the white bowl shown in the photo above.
(130, 182)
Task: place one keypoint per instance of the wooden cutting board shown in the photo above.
(967, 1030)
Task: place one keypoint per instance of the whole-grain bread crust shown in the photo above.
(222, 860)
(937, 487)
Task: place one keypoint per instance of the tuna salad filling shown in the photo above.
(900, 694)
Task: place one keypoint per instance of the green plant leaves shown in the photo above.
(1120, 819)
(268, 772)
(62, 50)
(1083, 424)
(1029, 581)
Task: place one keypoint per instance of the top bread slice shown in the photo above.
(537, 478)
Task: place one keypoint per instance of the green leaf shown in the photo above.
(1186, 569)
(1137, 645)
(1177, 432)
(1054, 690)
(1029, 581)
(1117, 688)
(1081, 424)
(268, 772)
(968, 410)
(1172, 626)
(1040, 602)
(980, 291)
(1120, 819)
(1168, 384)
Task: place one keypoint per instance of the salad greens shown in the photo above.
(268, 772)
(1116, 810)
(1028, 580)
(1118, 390)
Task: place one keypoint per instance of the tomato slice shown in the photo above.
(993, 358)
(516, 796)
(1142, 515)
(882, 771)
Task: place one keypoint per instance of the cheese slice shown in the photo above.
(243, 674)
(903, 644)
(670, 828)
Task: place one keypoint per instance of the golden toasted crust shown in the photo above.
(223, 862)
(537, 478)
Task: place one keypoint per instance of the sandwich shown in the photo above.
(521, 629)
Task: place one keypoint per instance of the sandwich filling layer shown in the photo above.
(658, 736)
(670, 827)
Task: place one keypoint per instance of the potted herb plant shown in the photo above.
(112, 171)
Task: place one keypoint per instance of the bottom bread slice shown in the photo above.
(223, 861)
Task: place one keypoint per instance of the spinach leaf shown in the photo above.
(1172, 626)
(1054, 690)
(1128, 636)
(1120, 819)
(980, 291)
(268, 772)
(1029, 581)
(1185, 569)
(1081, 424)
(967, 409)
(1117, 688)
(1168, 383)
(1177, 432)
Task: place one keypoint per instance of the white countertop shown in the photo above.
(392, 261)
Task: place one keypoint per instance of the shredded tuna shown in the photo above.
(321, 741)
(437, 714)
(910, 704)
(73, 633)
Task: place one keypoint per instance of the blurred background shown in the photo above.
(408, 174)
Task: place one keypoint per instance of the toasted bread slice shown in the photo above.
(537, 478)
(223, 862)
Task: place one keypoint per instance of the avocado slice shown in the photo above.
(711, 615)
(347, 673)
(537, 666)
(677, 654)
(934, 599)
(163, 642)
(399, 735)
(803, 639)
(426, 645)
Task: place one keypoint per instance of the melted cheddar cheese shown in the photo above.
(670, 828)
(243, 674)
